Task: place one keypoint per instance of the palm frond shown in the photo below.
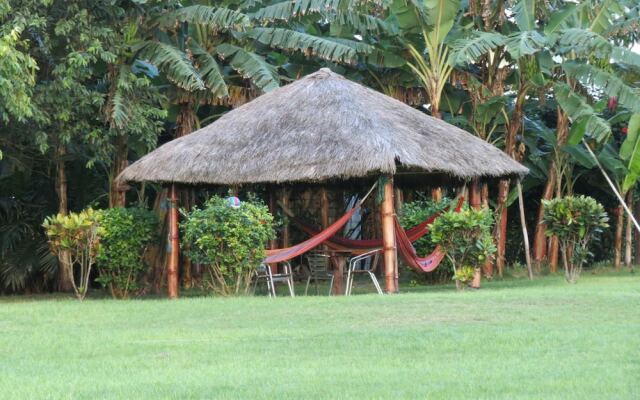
(525, 43)
(525, 14)
(332, 49)
(470, 49)
(209, 70)
(582, 114)
(587, 43)
(251, 66)
(606, 81)
(173, 62)
(214, 17)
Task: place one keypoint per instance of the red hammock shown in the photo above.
(408, 252)
(279, 255)
(342, 243)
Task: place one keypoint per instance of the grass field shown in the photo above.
(512, 339)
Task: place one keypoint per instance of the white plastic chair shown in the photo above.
(363, 264)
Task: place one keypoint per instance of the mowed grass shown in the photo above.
(512, 339)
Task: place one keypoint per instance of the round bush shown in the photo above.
(229, 241)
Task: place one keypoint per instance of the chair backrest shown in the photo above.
(318, 263)
(365, 262)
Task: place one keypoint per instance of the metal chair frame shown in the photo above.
(369, 269)
(318, 265)
(263, 272)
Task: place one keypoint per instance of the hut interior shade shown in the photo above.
(319, 128)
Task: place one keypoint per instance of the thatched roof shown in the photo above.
(321, 127)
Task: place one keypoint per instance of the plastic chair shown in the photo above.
(363, 264)
(263, 272)
(318, 271)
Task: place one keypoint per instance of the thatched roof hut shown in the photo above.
(321, 127)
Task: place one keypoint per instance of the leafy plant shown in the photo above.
(229, 241)
(464, 275)
(574, 220)
(126, 232)
(465, 237)
(78, 234)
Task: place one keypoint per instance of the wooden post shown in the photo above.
(475, 201)
(174, 243)
(324, 208)
(273, 243)
(286, 239)
(388, 237)
(398, 200)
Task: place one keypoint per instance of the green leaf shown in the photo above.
(209, 70)
(173, 62)
(214, 17)
(251, 66)
(468, 50)
(525, 43)
(582, 113)
(606, 81)
(630, 151)
(440, 17)
(525, 14)
(559, 19)
(339, 50)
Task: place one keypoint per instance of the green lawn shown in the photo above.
(512, 339)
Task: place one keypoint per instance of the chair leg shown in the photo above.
(306, 288)
(375, 282)
(331, 284)
(290, 284)
(349, 288)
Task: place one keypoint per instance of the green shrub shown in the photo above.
(465, 237)
(77, 234)
(229, 241)
(574, 220)
(126, 232)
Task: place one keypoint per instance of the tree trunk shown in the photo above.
(64, 277)
(617, 243)
(117, 193)
(628, 248)
(186, 122)
(553, 184)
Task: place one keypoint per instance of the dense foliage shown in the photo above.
(575, 221)
(465, 237)
(125, 235)
(229, 241)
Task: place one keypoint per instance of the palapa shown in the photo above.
(319, 128)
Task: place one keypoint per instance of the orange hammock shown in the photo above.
(281, 255)
(408, 252)
(342, 243)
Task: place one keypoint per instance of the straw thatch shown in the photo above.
(319, 128)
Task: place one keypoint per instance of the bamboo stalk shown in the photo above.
(388, 237)
(174, 256)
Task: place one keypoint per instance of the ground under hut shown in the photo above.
(318, 130)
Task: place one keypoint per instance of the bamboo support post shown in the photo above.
(286, 238)
(388, 237)
(174, 243)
